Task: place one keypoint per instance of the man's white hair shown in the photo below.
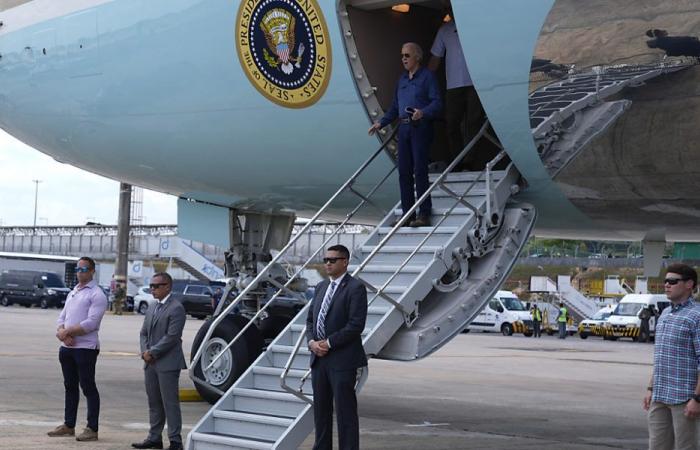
(416, 49)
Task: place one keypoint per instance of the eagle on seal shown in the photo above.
(278, 25)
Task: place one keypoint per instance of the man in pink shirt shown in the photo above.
(77, 330)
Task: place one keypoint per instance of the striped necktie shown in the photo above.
(321, 324)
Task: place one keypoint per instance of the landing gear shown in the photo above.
(235, 360)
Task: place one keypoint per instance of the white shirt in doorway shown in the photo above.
(447, 46)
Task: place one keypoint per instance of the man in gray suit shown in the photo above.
(161, 349)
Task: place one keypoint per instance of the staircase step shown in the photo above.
(377, 275)
(211, 441)
(267, 402)
(268, 378)
(397, 254)
(456, 177)
(256, 426)
(280, 356)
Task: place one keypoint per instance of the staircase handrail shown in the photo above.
(379, 292)
(259, 277)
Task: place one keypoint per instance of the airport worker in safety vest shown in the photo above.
(561, 319)
(536, 320)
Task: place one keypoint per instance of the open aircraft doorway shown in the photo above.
(374, 31)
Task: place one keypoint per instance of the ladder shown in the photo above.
(424, 286)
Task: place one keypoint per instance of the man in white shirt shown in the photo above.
(461, 100)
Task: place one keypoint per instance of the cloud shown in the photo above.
(67, 195)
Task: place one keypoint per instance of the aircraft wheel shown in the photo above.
(235, 360)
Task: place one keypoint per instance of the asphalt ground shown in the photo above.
(481, 391)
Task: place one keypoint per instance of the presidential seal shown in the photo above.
(284, 49)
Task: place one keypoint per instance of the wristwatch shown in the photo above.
(696, 398)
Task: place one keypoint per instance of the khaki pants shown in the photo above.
(668, 425)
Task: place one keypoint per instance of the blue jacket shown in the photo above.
(422, 92)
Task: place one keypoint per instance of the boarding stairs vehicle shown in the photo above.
(580, 306)
(424, 286)
(189, 259)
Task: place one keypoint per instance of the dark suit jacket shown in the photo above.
(162, 335)
(345, 321)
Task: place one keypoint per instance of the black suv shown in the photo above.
(196, 298)
(28, 287)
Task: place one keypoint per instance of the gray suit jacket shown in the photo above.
(162, 335)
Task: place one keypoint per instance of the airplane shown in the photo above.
(260, 107)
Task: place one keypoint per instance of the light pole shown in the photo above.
(36, 197)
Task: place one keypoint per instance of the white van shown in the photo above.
(505, 313)
(625, 321)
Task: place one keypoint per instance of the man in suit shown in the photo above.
(161, 350)
(334, 333)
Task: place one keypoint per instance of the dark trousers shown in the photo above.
(78, 366)
(562, 330)
(536, 332)
(414, 149)
(465, 116)
(335, 386)
(162, 389)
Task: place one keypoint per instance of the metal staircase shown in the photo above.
(424, 286)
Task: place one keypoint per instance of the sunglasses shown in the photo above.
(82, 269)
(157, 285)
(674, 281)
(331, 260)
(405, 55)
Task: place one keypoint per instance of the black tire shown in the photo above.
(507, 329)
(43, 303)
(466, 330)
(528, 334)
(571, 333)
(240, 355)
(143, 307)
(5, 301)
(27, 305)
(272, 326)
(583, 335)
(610, 338)
(550, 333)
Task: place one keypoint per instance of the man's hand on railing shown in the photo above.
(319, 348)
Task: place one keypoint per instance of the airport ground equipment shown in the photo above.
(189, 259)
(580, 306)
(504, 313)
(424, 286)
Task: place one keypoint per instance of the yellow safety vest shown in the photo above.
(562, 314)
(536, 315)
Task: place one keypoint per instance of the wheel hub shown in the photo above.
(219, 372)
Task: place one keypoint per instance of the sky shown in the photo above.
(67, 195)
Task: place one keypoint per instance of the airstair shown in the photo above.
(579, 305)
(424, 286)
(189, 259)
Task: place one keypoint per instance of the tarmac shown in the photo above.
(481, 391)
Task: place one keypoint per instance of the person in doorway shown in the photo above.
(416, 104)
(673, 394)
(78, 326)
(536, 320)
(463, 108)
(161, 351)
(334, 327)
(562, 319)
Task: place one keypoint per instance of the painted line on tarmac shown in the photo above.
(428, 424)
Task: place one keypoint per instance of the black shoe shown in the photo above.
(149, 444)
(420, 222)
(175, 446)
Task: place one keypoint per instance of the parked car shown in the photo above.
(28, 287)
(196, 298)
(595, 326)
(143, 300)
